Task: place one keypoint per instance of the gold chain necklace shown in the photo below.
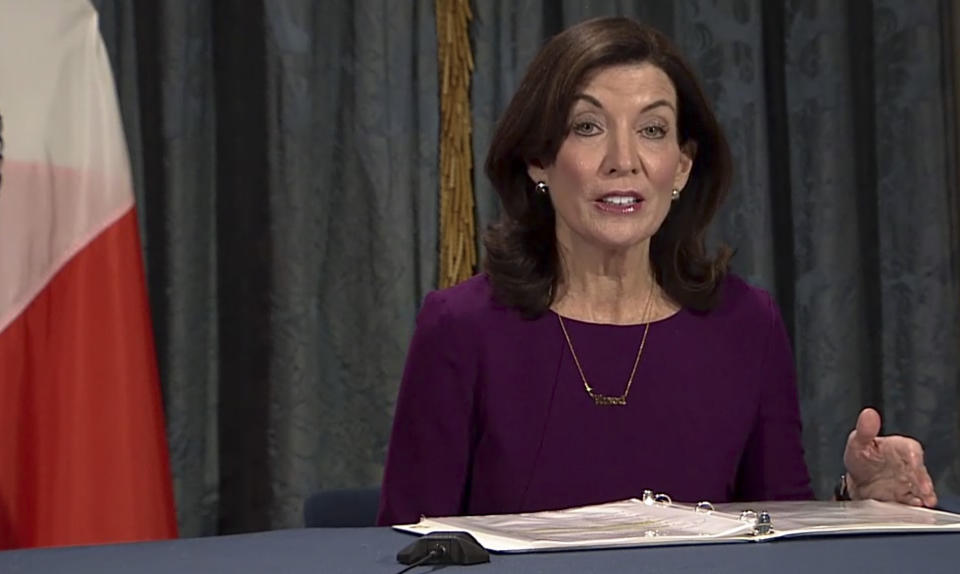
(610, 400)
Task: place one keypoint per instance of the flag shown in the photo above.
(83, 452)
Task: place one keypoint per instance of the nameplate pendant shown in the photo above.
(607, 401)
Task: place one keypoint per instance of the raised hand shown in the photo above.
(886, 467)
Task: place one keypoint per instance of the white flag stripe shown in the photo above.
(65, 171)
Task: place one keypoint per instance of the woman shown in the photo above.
(604, 351)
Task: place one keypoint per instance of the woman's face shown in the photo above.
(612, 179)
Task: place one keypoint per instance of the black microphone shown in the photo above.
(444, 548)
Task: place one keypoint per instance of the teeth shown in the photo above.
(619, 199)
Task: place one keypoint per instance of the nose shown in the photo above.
(622, 157)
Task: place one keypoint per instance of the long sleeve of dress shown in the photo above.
(773, 466)
(428, 459)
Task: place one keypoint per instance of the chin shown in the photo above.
(620, 242)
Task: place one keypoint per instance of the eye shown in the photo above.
(654, 131)
(586, 128)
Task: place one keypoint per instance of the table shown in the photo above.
(373, 551)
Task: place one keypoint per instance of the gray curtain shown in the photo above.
(285, 156)
(286, 168)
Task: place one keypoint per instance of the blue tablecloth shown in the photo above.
(373, 550)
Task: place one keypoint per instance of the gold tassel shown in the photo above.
(458, 251)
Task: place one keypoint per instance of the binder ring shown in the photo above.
(649, 498)
(704, 506)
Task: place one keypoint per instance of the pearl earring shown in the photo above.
(675, 194)
(541, 187)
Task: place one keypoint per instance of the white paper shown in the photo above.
(625, 523)
(803, 518)
(637, 523)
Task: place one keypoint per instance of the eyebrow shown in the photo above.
(595, 102)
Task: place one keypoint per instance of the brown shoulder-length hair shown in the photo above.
(522, 260)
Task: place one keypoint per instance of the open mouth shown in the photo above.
(619, 203)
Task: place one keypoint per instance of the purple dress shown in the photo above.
(492, 415)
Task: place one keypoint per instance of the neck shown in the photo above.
(601, 285)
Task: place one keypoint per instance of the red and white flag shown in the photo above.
(83, 452)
